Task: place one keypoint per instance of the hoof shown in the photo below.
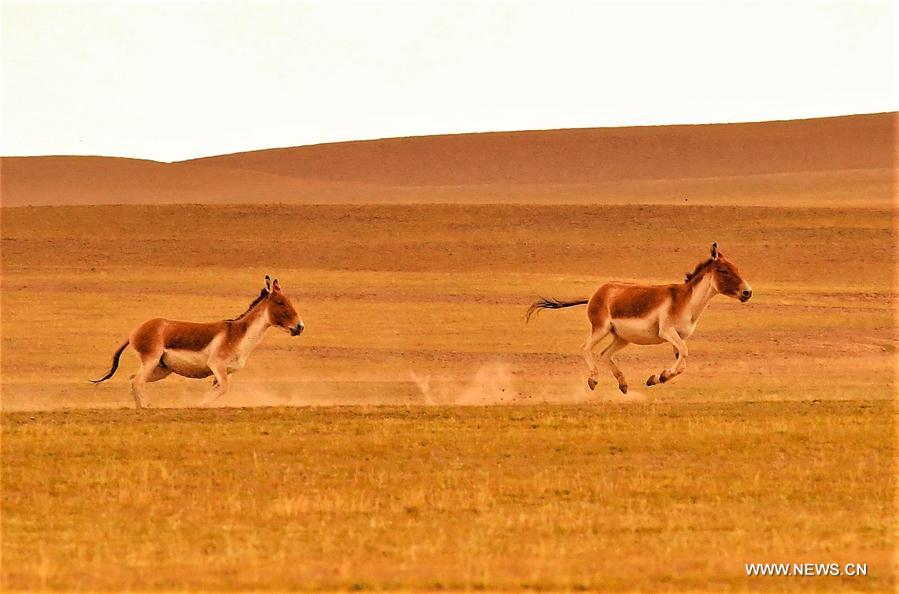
(623, 388)
(591, 382)
(651, 381)
(664, 377)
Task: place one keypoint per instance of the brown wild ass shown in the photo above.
(199, 350)
(652, 314)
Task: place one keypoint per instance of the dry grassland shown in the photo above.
(664, 496)
(775, 445)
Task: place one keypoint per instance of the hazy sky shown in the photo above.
(170, 81)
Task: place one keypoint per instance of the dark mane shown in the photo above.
(700, 268)
(262, 296)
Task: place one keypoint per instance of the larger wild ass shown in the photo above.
(652, 314)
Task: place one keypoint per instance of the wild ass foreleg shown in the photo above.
(607, 357)
(219, 385)
(680, 358)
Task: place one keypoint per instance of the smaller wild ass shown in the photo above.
(652, 314)
(198, 350)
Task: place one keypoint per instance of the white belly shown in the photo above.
(637, 330)
(187, 363)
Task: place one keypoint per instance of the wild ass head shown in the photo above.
(280, 310)
(726, 278)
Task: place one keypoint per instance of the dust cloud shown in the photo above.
(497, 383)
(493, 383)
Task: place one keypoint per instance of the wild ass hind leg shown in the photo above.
(680, 358)
(608, 357)
(219, 384)
(599, 332)
(150, 371)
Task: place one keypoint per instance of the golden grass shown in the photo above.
(647, 497)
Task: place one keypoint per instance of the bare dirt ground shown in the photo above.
(413, 304)
(775, 445)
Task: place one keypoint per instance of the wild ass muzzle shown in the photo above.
(652, 314)
(198, 350)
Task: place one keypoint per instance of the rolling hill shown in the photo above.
(848, 160)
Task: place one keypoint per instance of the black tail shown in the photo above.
(115, 363)
(551, 304)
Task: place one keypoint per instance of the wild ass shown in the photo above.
(198, 350)
(652, 314)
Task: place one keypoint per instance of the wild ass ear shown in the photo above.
(715, 251)
(275, 285)
(268, 283)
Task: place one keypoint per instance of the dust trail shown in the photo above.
(492, 383)
(498, 383)
(255, 396)
(424, 386)
(613, 396)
